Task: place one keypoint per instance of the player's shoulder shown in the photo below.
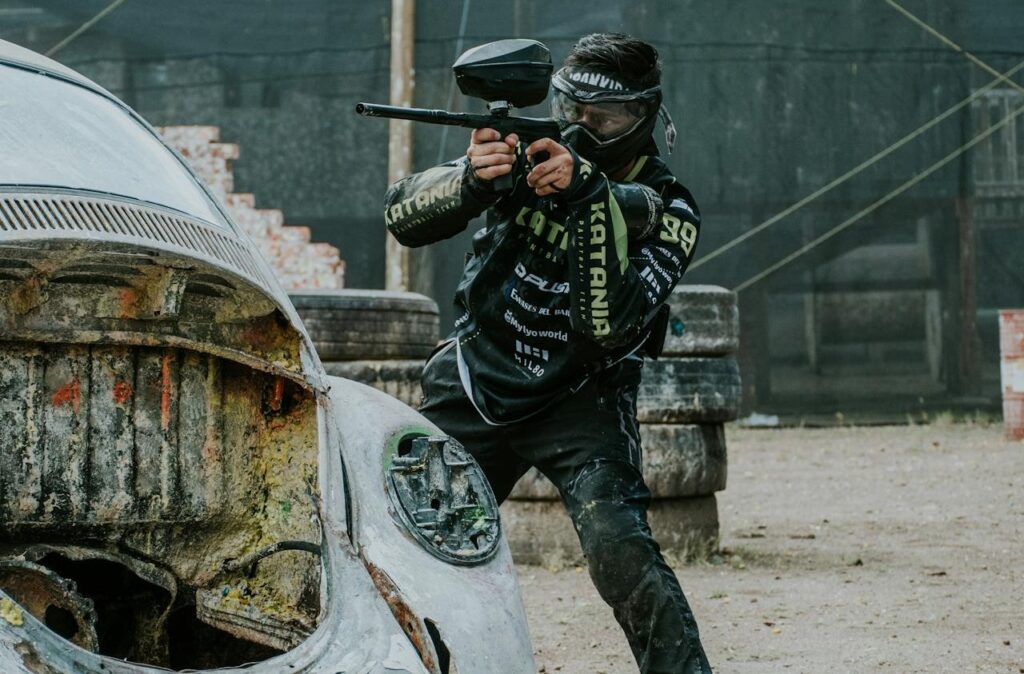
(652, 171)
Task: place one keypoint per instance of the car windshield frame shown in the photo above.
(59, 133)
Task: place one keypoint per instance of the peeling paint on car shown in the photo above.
(413, 625)
(31, 660)
(11, 613)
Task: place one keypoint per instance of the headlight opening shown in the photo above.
(441, 495)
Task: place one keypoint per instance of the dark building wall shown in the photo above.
(772, 101)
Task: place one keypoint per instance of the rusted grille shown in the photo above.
(42, 213)
(109, 435)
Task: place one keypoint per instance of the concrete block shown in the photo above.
(679, 461)
(541, 533)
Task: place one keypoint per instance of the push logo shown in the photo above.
(531, 351)
(543, 284)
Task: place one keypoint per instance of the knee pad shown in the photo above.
(607, 501)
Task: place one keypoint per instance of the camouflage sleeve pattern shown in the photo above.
(618, 281)
(435, 204)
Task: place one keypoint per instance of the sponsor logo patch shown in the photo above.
(559, 288)
(527, 350)
(425, 198)
(596, 80)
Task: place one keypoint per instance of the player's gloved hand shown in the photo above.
(490, 155)
(555, 173)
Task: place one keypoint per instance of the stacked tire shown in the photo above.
(685, 398)
(377, 337)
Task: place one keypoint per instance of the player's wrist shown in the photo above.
(481, 189)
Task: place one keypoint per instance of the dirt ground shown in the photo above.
(885, 549)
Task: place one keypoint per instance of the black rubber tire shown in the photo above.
(689, 391)
(679, 461)
(375, 300)
(414, 330)
(382, 350)
(541, 533)
(398, 378)
(704, 321)
(366, 316)
(369, 324)
(684, 460)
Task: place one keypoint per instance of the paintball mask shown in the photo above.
(604, 119)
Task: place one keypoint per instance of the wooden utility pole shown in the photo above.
(396, 257)
(969, 357)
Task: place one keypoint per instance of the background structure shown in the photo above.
(893, 315)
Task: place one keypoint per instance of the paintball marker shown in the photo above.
(507, 74)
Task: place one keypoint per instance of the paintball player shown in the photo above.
(554, 310)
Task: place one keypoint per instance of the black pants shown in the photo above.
(589, 447)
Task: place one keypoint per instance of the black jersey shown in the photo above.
(557, 287)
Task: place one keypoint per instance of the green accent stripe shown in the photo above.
(621, 234)
(637, 167)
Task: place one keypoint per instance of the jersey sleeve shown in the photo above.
(617, 282)
(435, 204)
(641, 207)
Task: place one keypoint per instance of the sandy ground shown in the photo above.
(888, 549)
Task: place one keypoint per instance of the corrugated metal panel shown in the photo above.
(109, 434)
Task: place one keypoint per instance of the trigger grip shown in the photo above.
(539, 157)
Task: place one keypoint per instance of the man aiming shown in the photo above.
(554, 310)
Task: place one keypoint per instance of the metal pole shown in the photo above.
(84, 27)
(969, 360)
(396, 257)
(442, 148)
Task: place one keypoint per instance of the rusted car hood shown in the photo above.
(93, 269)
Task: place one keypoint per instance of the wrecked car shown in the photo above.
(181, 485)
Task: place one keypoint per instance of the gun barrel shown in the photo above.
(528, 129)
(416, 114)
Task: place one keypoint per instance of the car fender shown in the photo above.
(477, 609)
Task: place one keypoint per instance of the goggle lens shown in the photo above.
(604, 120)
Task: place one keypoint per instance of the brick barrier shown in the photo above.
(298, 262)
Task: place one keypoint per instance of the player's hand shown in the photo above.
(490, 155)
(553, 174)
